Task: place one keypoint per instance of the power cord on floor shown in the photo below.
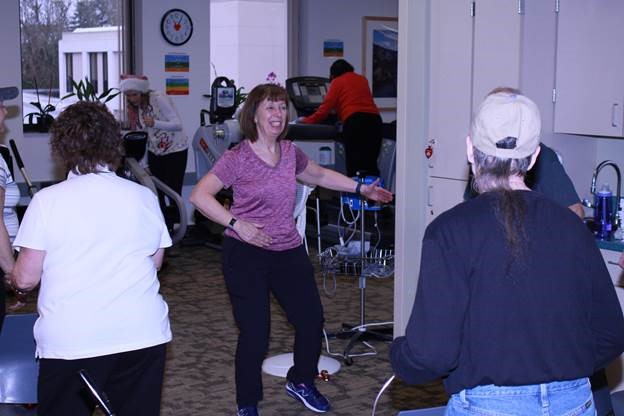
(372, 350)
(383, 388)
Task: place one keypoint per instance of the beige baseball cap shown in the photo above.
(503, 115)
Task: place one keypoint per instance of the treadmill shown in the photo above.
(321, 142)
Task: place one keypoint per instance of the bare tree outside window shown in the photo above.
(42, 24)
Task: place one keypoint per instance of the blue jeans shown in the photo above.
(559, 398)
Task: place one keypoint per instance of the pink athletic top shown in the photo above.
(264, 194)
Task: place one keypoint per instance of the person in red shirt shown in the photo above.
(350, 96)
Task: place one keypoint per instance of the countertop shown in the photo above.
(614, 245)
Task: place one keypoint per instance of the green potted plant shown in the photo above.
(42, 119)
(85, 91)
(240, 96)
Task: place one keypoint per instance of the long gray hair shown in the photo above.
(492, 174)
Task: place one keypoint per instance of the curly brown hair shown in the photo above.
(86, 135)
(259, 93)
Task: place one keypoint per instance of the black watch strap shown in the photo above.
(232, 222)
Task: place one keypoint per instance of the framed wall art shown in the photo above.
(380, 37)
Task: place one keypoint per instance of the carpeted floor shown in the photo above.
(199, 373)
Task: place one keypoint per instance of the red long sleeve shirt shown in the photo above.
(348, 94)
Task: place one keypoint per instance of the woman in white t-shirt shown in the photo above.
(95, 241)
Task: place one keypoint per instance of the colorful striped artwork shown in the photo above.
(177, 63)
(177, 86)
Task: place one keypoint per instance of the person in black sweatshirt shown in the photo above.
(515, 308)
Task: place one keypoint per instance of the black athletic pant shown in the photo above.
(250, 273)
(170, 169)
(132, 381)
(361, 133)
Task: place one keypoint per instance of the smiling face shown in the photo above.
(271, 118)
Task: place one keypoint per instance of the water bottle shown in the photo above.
(325, 154)
(603, 213)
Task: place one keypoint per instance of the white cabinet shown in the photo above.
(615, 371)
(475, 47)
(590, 68)
(442, 195)
(450, 87)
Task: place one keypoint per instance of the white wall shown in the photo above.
(320, 20)
(248, 40)
(152, 49)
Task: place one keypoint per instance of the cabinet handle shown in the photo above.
(613, 110)
(615, 263)
(429, 196)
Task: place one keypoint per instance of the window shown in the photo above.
(93, 70)
(69, 71)
(57, 37)
(104, 71)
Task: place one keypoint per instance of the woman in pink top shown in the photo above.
(262, 251)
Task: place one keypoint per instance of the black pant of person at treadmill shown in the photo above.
(170, 169)
(361, 133)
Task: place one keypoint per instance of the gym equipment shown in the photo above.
(358, 259)
(321, 142)
(20, 164)
(134, 168)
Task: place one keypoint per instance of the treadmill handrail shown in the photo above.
(139, 172)
(178, 234)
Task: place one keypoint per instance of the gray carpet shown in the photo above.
(199, 376)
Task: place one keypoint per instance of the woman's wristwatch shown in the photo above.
(231, 223)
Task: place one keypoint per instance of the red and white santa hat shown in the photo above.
(130, 82)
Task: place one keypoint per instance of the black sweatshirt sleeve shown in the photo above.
(431, 346)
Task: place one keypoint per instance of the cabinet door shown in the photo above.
(615, 371)
(443, 194)
(450, 86)
(497, 47)
(590, 63)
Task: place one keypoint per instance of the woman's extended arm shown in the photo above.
(315, 174)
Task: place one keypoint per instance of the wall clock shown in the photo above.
(176, 27)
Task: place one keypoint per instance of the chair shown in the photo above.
(18, 367)
(386, 161)
(617, 401)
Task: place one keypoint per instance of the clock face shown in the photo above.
(176, 27)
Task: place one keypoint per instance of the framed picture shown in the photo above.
(380, 41)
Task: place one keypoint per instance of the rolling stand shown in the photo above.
(375, 264)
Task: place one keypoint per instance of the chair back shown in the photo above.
(18, 367)
(386, 162)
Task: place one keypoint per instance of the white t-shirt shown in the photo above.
(99, 289)
(11, 199)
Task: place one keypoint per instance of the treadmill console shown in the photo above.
(307, 93)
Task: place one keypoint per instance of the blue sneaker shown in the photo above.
(309, 396)
(247, 411)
